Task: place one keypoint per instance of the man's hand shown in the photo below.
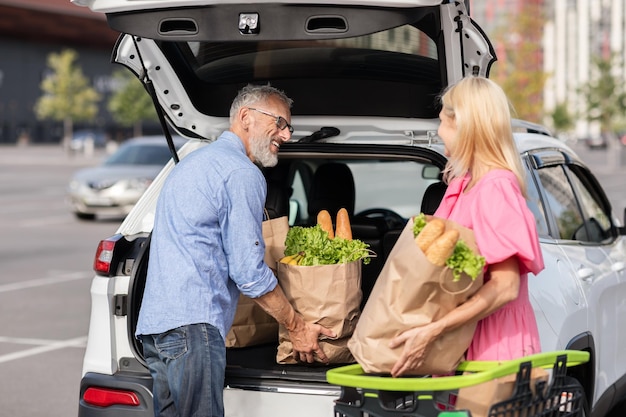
(304, 338)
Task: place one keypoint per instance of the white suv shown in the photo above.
(364, 76)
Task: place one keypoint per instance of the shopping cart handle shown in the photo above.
(538, 360)
(477, 372)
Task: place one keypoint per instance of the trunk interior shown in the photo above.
(294, 178)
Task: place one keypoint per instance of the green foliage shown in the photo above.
(519, 69)
(131, 103)
(562, 119)
(66, 91)
(605, 94)
(319, 249)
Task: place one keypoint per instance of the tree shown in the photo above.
(605, 95)
(67, 95)
(519, 69)
(562, 119)
(131, 104)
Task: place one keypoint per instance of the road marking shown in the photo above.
(47, 221)
(45, 346)
(16, 286)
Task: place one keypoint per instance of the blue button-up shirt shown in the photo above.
(207, 242)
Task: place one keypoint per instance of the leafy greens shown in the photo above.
(319, 249)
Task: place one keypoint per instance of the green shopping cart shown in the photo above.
(382, 396)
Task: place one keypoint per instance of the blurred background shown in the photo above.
(51, 50)
(562, 63)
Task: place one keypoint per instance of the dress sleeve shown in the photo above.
(504, 226)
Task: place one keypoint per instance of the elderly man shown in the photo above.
(206, 248)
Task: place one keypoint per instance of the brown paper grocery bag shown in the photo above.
(252, 325)
(479, 398)
(329, 295)
(274, 234)
(409, 292)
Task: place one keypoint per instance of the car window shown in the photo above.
(395, 185)
(562, 201)
(597, 223)
(392, 185)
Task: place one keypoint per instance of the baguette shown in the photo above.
(326, 223)
(343, 228)
(433, 229)
(442, 248)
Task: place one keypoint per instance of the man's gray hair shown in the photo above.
(253, 94)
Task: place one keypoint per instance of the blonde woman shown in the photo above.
(486, 193)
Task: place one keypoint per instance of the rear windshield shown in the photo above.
(395, 72)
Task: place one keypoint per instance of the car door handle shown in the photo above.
(618, 266)
(586, 274)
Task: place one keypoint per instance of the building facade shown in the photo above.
(576, 32)
(29, 31)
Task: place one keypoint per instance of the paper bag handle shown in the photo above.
(442, 277)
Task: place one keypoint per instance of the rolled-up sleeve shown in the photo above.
(245, 191)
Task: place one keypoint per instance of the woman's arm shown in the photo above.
(502, 287)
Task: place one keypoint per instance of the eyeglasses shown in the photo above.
(281, 123)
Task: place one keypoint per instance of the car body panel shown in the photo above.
(246, 403)
(606, 292)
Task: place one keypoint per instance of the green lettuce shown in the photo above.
(319, 249)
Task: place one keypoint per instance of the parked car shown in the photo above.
(80, 138)
(114, 187)
(364, 76)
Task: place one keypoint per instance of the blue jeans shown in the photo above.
(187, 365)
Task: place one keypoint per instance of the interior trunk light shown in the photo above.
(249, 23)
(105, 397)
(104, 255)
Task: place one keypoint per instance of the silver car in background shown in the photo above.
(113, 188)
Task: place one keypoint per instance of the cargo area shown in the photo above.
(299, 187)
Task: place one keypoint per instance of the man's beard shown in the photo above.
(261, 150)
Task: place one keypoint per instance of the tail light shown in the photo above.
(104, 258)
(106, 397)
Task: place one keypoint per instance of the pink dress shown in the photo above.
(495, 209)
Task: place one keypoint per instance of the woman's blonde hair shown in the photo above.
(482, 114)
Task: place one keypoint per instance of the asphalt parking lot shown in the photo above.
(46, 257)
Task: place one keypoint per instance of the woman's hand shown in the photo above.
(417, 342)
